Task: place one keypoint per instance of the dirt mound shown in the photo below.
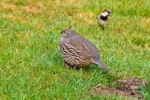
(128, 87)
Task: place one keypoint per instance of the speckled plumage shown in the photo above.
(78, 51)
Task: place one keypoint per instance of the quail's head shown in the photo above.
(67, 33)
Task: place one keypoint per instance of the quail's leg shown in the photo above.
(67, 65)
(78, 68)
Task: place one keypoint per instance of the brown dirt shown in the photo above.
(29, 8)
(145, 22)
(33, 8)
(128, 87)
(7, 6)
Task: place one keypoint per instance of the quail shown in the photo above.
(103, 17)
(78, 51)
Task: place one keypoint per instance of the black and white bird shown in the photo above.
(103, 17)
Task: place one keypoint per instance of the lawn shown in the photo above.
(31, 64)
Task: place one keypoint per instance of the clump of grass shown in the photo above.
(146, 91)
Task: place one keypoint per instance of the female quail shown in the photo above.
(78, 51)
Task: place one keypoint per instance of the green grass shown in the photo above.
(31, 65)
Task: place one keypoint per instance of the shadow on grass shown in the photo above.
(110, 76)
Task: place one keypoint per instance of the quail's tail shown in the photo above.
(101, 65)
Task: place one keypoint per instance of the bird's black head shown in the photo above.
(108, 12)
(66, 33)
(103, 16)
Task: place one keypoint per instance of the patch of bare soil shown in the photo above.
(145, 22)
(128, 87)
(33, 8)
(87, 17)
(7, 6)
(29, 8)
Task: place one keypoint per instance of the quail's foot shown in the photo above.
(67, 65)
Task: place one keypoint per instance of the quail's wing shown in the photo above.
(79, 48)
(84, 47)
(92, 48)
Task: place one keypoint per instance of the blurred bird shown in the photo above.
(78, 51)
(103, 17)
